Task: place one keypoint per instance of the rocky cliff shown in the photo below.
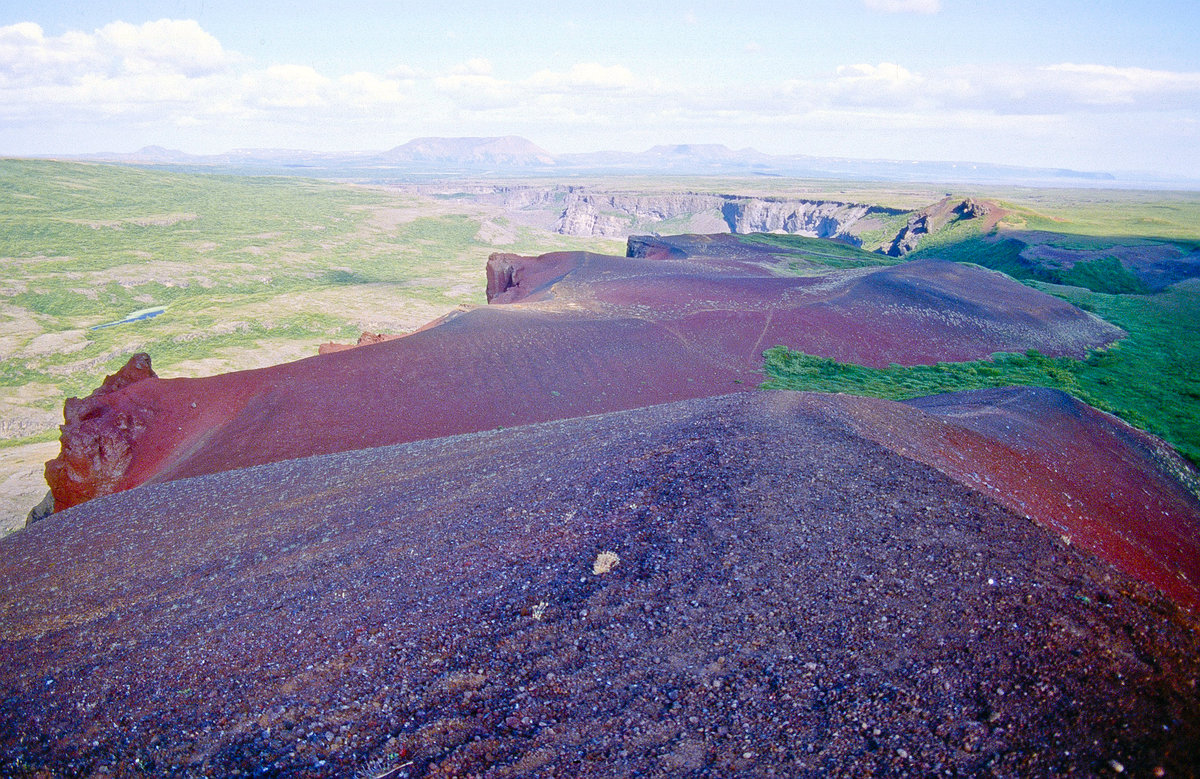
(595, 213)
(933, 218)
(613, 214)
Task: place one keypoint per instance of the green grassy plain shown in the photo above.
(252, 271)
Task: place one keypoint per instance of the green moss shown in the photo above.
(39, 438)
(1105, 275)
(796, 370)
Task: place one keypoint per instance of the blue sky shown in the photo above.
(1089, 85)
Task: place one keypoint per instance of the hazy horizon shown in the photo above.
(1080, 85)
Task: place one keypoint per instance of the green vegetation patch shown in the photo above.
(797, 370)
(1105, 274)
(881, 237)
(1109, 213)
(1148, 379)
(819, 252)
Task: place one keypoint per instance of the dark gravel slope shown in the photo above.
(790, 599)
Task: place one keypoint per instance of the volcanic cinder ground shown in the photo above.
(788, 597)
(566, 334)
(616, 568)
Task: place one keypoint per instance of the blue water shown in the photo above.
(136, 316)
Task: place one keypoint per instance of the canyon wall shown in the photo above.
(596, 213)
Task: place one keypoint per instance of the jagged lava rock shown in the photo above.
(98, 437)
(791, 597)
(932, 218)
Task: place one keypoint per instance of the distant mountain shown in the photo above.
(144, 155)
(678, 158)
(510, 151)
(514, 154)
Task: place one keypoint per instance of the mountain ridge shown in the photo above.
(518, 155)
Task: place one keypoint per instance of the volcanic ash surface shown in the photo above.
(729, 586)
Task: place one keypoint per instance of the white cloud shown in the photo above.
(883, 84)
(27, 55)
(181, 46)
(162, 76)
(476, 91)
(1027, 90)
(1102, 85)
(585, 75)
(286, 86)
(473, 67)
(367, 89)
(905, 6)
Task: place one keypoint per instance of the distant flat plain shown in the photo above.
(256, 270)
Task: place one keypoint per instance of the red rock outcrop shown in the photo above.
(366, 339)
(512, 277)
(98, 438)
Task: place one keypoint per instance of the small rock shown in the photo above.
(605, 562)
(41, 510)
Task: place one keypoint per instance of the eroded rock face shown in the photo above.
(42, 510)
(931, 219)
(972, 209)
(513, 277)
(501, 274)
(98, 438)
(815, 219)
(595, 213)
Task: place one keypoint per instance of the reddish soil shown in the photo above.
(584, 334)
(1100, 484)
(791, 599)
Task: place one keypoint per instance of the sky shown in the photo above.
(1091, 85)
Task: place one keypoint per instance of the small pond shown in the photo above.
(136, 316)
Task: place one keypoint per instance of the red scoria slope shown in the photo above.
(788, 598)
(1109, 488)
(578, 334)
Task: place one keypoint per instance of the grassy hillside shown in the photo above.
(1074, 238)
(1149, 378)
(819, 254)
